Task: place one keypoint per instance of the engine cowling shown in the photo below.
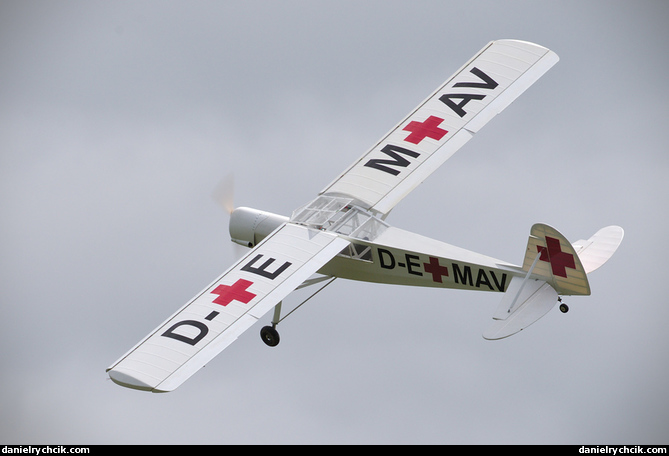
(250, 226)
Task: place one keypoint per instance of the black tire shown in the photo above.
(270, 336)
(564, 308)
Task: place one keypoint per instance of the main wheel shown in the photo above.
(270, 336)
(564, 308)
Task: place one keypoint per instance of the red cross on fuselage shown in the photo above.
(434, 268)
(427, 129)
(235, 292)
(558, 259)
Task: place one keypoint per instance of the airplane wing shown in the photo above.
(443, 123)
(214, 318)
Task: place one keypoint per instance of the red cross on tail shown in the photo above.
(559, 264)
(558, 259)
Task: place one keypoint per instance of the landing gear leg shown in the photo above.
(564, 308)
(269, 334)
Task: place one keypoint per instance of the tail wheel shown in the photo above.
(564, 308)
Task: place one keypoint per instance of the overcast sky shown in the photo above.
(118, 119)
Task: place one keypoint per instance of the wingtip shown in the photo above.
(128, 381)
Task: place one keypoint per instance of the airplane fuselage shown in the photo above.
(380, 253)
(392, 260)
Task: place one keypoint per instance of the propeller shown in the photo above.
(224, 195)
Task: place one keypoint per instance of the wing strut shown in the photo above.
(269, 334)
(332, 279)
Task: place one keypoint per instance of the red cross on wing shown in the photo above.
(235, 292)
(426, 129)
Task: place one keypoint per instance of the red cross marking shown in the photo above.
(434, 268)
(558, 259)
(427, 129)
(235, 292)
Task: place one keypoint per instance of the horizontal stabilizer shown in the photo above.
(599, 248)
(525, 301)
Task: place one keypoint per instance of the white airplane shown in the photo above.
(343, 233)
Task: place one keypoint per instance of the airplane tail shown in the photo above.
(554, 267)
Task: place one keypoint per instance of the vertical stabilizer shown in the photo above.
(558, 264)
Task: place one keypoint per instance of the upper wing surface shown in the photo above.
(443, 123)
(213, 319)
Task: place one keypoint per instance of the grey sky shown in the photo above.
(118, 119)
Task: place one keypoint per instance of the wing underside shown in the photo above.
(442, 124)
(214, 319)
